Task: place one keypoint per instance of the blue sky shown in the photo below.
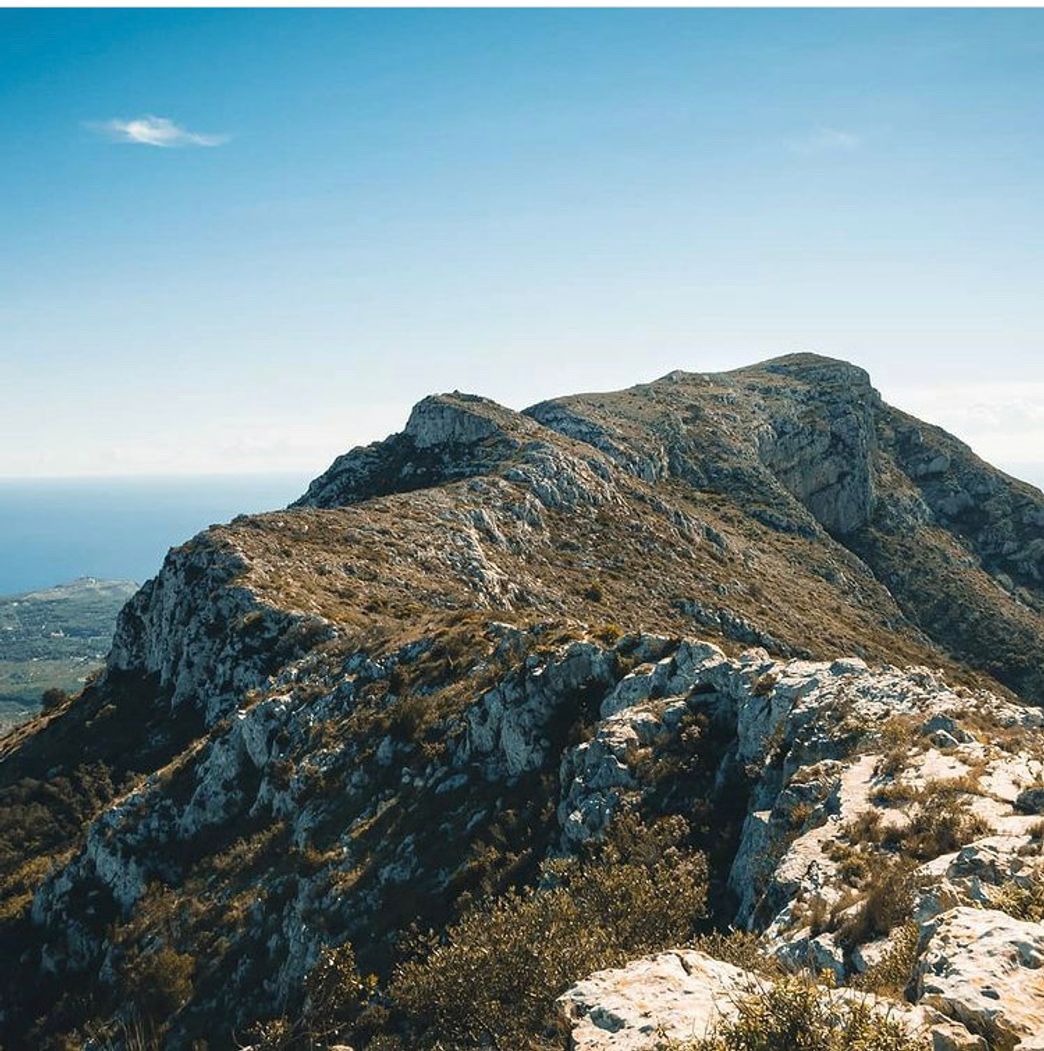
(328, 214)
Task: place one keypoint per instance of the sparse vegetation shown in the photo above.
(887, 901)
(1022, 899)
(159, 982)
(740, 948)
(941, 823)
(796, 1014)
(893, 972)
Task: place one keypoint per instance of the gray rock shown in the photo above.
(1031, 800)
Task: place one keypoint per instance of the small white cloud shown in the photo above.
(826, 140)
(154, 131)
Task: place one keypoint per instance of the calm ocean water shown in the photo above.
(55, 530)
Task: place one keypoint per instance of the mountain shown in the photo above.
(54, 639)
(566, 688)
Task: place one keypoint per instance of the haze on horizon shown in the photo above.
(244, 241)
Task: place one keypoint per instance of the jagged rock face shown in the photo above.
(821, 447)
(483, 638)
(801, 426)
(814, 739)
(958, 543)
(207, 654)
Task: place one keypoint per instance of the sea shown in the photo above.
(55, 530)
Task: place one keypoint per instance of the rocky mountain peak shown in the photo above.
(461, 419)
(748, 649)
(815, 369)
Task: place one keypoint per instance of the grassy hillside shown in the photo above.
(54, 638)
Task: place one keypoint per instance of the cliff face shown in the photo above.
(957, 543)
(473, 646)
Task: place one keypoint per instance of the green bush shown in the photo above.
(335, 994)
(796, 1015)
(335, 991)
(160, 983)
(492, 980)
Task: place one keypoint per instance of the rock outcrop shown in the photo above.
(676, 998)
(984, 968)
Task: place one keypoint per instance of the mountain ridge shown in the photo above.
(464, 649)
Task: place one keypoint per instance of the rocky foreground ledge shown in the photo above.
(860, 775)
(890, 839)
(680, 997)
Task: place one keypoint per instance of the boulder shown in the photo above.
(1031, 800)
(982, 968)
(679, 995)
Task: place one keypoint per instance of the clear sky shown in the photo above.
(245, 241)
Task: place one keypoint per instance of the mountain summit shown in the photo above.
(751, 607)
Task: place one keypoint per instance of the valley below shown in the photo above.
(53, 639)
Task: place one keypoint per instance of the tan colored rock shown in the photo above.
(680, 995)
(983, 968)
(684, 994)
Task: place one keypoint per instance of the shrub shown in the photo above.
(796, 1015)
(742, 949)
(335, 991)
(276, 1034)
(888, 901)
(1022, 902)
(131, 1035)
(865, 828)
(895, 792)
(492, 980)
(892, 973)
(160, 983)
(941, 824)
(52, 698)
(764, 684)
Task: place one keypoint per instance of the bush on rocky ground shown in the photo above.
(798, 1015)
(893, 972)
(492, 979)
(888, 900)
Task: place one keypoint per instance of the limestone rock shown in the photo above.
(679, 995)
(684, 994)
(984, 968)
